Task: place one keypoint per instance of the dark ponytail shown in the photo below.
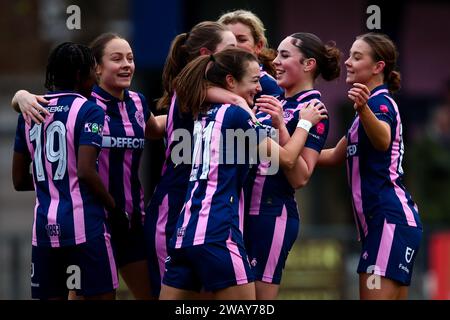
(327, 56)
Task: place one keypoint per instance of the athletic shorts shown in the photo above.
(88, 268)
(389, 250)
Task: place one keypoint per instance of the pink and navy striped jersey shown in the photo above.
(175, 176)
(267, 194)
(66, 213)
(269, 85)
(122, 147)
(213, 209)
(375, 177)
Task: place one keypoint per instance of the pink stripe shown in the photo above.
(112, 262)
(356, 179)
(211, 188)
(241, 211)
(306, 94)
(31, 149)
(356, 191)
(276, 246)
(379, 92)
(187, 215)
(169, 131)
(128, 155)
(238, 263)
(56, 95)
(258, 186)
(77, 201)
(54, 193)
(103, 159)
(393, 169)
(160, 234)
(385, 247)
(353, 206)
(139, 107)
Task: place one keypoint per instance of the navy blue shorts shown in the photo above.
(88, 268)
(161, 218)
(211, 266)
(268, 240)
(129, 248)
(389, 250)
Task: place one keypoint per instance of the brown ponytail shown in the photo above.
(383, 49)
(192, 82)
(327, 56)
(176, 60)
(184, 48)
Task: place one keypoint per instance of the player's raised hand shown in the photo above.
(314, 111)
(30, 107)
(272, 106)
(359, 94)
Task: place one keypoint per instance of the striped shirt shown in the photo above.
(122, 147)
(267, 194)
(66, 213)
(213, 209)
(375, 177)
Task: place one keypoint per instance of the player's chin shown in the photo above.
(350, 79)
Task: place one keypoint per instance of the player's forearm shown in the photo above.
(287, 154)
(299, 175)
(377, 131)
(91, 179)
(155, 127)
(333, 156)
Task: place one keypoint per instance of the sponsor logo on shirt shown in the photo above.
(93, 127)
(352, 150)
(384, 108)
(123, 142)
(54, 109)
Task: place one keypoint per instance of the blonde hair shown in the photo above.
(248, 18)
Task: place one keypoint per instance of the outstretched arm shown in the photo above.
(333, 156)
(377, 131)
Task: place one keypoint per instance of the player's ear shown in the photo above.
(379, 67)
(205, 51)
(231, 82)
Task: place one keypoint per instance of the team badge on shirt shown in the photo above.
(320, 128)
(139, 118)
(384, 108)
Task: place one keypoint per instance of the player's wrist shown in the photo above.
(304, 124)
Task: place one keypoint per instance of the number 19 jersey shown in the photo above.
(66, 213)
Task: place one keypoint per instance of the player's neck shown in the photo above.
(115, 92)
(302, 86)
(374, 82)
